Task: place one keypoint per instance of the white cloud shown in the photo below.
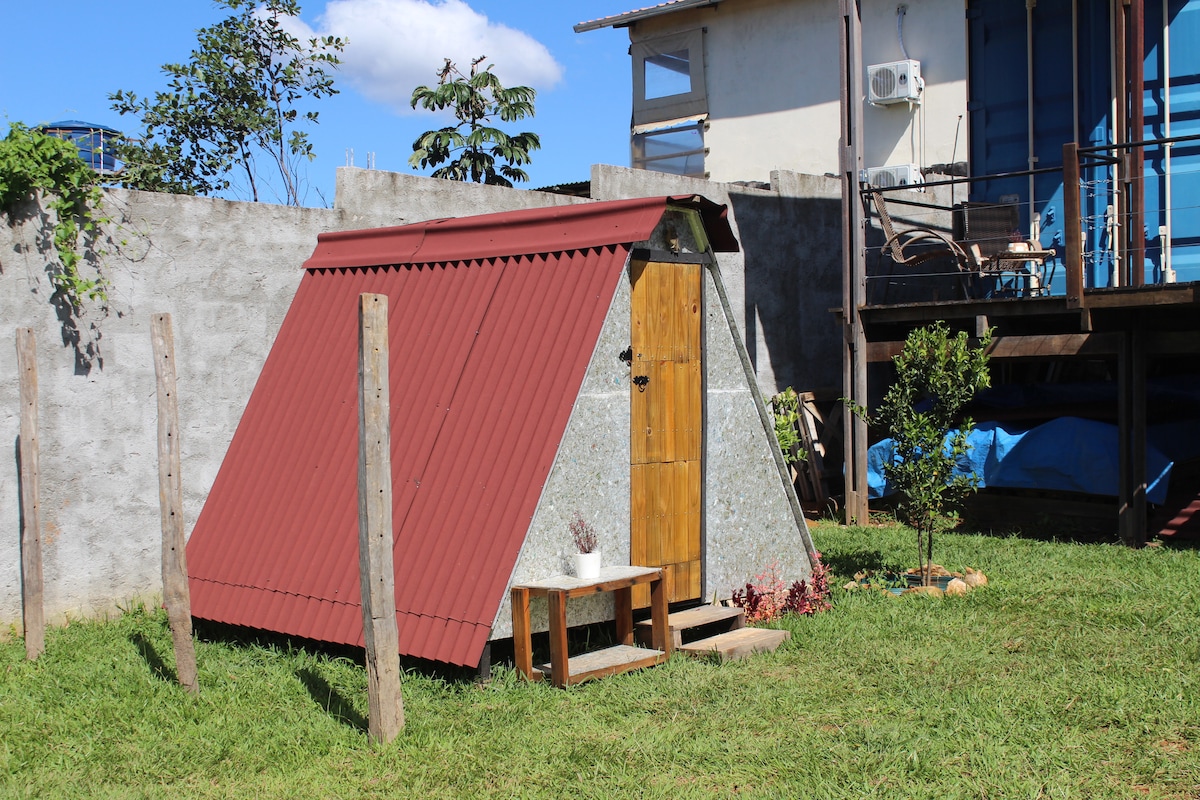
(393, 46)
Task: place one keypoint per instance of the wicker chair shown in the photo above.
(990, 234)
(914, 246)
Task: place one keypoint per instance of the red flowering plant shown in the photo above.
(769, 597)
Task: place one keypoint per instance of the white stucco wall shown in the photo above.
(772, 74)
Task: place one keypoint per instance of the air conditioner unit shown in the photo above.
(898, 175)
(897, 82)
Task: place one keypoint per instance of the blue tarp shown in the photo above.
(1066, 454)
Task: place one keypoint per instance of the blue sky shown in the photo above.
(62, 59)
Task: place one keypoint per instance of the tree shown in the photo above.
(936, 376)
(475, 100)
(31, 162)
(232, 105)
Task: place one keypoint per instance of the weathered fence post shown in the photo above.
(376, 575)
(33, 611)
(1071, 227)
(170, 500)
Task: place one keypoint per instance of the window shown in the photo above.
(668, 78)
(677, 149)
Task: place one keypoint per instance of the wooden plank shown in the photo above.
(694, 303)
(692, 618)
(638, 514)
(637, 309)
(679, 534)
(1174, 294)
(377, 575)
(611, 578)
(176, 595)
(695, 508)
(33, 613)
(559, 668)
(658, 614)
(522, 635)
(664, 400)
(623, 612)
(605, 662)
(814, 465)
(641, 427)
(695, 575)
(699, 616)
(695, 411)
(1058, 345)
(739, 644)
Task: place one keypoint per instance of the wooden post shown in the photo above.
(1131, 413)
(1137, 132)
(522, 639)
(1071, 226)
(559, 670)
(660, 626)
(854, 343)
(176, 596)
(377, 577)
(33, 611)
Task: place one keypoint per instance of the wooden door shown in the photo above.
(666, 425)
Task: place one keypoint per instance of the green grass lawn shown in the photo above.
(1073, 674)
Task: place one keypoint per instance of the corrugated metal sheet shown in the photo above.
(493, 321)
(629, 17)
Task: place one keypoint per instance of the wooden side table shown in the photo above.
(624, 656)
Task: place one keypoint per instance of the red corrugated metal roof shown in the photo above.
(493, 321)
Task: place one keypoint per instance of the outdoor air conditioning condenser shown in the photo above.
(893, 176)
(895, 82)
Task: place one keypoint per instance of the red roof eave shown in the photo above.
(525, 232)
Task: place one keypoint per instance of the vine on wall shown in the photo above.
(32, 161)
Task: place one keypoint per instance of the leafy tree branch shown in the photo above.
(32, 162)
(232, 106)
(473, 146)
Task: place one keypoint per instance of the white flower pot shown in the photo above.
(587, 566)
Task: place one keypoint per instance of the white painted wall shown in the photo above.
(772, 75)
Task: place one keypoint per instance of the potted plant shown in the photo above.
(936, 376)
(587, 560)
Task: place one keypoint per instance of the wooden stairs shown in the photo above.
(720, 631)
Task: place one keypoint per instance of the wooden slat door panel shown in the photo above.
(666, 421)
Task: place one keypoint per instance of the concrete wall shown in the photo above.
(772, 76)
(227, 272)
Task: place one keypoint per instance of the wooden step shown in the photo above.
(604, 662)
(697, 617)
(738, 644)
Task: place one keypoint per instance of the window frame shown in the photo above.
(640, 160)
(675, 106)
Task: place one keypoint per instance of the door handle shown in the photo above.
(641, 381)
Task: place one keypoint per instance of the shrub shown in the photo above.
(769, 597)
